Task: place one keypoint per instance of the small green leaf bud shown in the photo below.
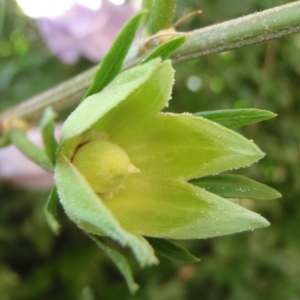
(104, 165)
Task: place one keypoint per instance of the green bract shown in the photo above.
(123, 167)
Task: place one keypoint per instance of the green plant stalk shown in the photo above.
(255, 28)
(251, 29)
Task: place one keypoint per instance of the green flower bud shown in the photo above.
(170, 149)
(104, 165)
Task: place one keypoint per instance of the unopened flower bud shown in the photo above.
(104, 165)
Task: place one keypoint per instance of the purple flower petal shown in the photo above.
(81, 31)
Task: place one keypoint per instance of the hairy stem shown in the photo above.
(255, 28)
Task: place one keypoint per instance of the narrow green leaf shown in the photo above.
(172, 251)
(166, 49)
(29, 149)
(161, 15)
(236, 186)
(50, 211)
(112, 62)
(120, 262)
(237, 117)
(48, 128)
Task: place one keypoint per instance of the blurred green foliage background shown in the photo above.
(264, 264)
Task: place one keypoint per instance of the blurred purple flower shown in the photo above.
(19, 170)
(81, 31)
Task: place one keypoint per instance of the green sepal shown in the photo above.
(172, 251)
(47, 129)
(120, 262)
(90, 213)
(127, 83)
(236, 186)
(112, 62)
(186, 146)
(50, 211)
(236, 117)
(178, 210)
(161, 15)
(29, 149)
(166, 49)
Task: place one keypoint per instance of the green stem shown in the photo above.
(255, 28)
(59, 98)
